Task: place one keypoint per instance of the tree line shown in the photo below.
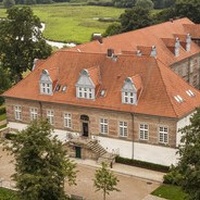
(157, 4)
(141, 16)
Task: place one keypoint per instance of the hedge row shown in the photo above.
(142, 164)
(2, 110)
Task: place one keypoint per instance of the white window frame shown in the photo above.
(123, 128)
(129, 97)
(143, 131)
(33, 113)
(85, 93)
(46, 88)
(18, 112)
(163, 136)
(67, 120)
(50, 116)
(103, 125)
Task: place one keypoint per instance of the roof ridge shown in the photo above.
(160, 68)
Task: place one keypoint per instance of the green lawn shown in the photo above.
(2, 117)
(6, 194)
(170, 192)
(65, 22)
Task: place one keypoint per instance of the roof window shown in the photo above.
(178, 98)
(190, 93)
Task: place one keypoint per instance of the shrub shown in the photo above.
(173, 177)
(10, 136)
(146, 165)
(2, 110)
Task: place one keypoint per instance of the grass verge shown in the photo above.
(3, 117)
(6, 194)
(170, 192)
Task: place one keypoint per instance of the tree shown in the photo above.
(41, 164)
(8, 3)
(20, 37)
(135, 18)
(113, 29)
(124, 3)
(189, 163)
(188, 8)
(105, 180)
(181, 8)
(146, 4)
(5, 82)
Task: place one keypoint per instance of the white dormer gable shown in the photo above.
(129, 92)
(85, 80)
(45, 83)
(85, 87)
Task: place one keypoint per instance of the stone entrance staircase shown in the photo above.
(103, 155)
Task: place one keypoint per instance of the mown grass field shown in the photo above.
(68, 23)
(170, 192)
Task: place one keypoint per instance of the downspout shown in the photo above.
(132, 116)
(41, 112)
(189, 70)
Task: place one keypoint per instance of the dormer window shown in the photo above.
(45, 83)
(129, 92)
(85, 87)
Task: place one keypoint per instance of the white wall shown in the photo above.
(155, 154)
(62, 135)
(127, 149)
(138, 151)
(181, 124)
(18, 126)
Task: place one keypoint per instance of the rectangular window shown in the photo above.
(103, 126)
(144, 131)
(67, 120)
(86, 93)
(163, 135)
(46, 88)
(50, 116)
(129, 97)
(123, 129)
(18, 112)
(33, 113)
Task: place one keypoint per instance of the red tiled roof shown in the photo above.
(159, 83)
(193, 29)
(148, 37)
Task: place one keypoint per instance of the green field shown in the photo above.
(68, 23)
(6, 194)
(170, 192)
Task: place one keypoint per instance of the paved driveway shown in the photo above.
(131, 187)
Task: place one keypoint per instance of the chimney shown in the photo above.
(177, 47)
(34, 63)
(110, 52)
(97, 36)
(139, 53)
(188, 42)
(153, 51)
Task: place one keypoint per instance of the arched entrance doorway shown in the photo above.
(85, 125)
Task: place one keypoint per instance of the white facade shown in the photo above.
(138, 151)
(181, 124)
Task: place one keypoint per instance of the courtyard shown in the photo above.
(132, 187)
